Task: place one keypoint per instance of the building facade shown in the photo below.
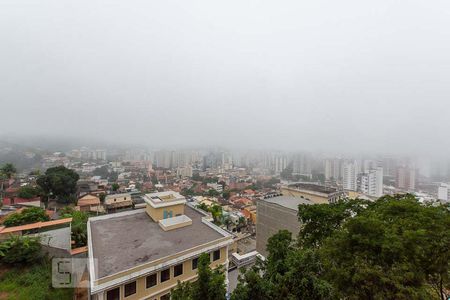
(276, 214)
(349, 176)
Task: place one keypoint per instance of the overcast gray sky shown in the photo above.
(366, 75)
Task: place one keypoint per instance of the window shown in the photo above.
(165, 275)
(113, 294)
(195, 263)
(124, 198)
(216, 255)
(165, 297)
(150, 281)
(177, 270)
(130, 288)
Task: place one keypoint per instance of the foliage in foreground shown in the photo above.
(394, 248)
(210, 284)
(31, 283)
(79, 225)
(20, 250)
(27, 216)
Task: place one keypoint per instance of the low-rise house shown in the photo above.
(89, 202)
(18, 200)
(142, 254)
(117, 202)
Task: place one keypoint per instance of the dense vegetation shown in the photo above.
(26, 216)
(31, 282)
(79, 225)
(18, 250)
(29, 192)
(394, 248)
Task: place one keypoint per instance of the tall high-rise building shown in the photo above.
(444, 192)
(279, 163)
(332, 169)
(301, 164)
(371, 182)
(163, 159)
(349, 178)
(406, 178)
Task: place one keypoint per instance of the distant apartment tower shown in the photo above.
(350, 172)
(444, 192)
(279, 163)
(163, 159)
(405, 178)
(301, 165)
(184, 171)
(332, 169)
(371, 182)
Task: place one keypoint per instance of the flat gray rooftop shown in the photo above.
(124, 241)
(288, 202)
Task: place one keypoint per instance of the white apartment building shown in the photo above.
(371, 182)
(444, 192)
(332, 169)
(350, 172)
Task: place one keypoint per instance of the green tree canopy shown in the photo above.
(8, 169)
(210, 284)
(393, 248)
(59, 182)
(20, 249)
(29, 192)
(79, 225)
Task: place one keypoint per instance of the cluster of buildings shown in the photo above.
(154, 212)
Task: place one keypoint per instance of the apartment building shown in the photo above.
(314, 192)
(275, 214)
(142, 254)
(350, 176)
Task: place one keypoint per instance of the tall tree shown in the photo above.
(59, 182)
(8, 169)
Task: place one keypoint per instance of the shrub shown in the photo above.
(27, 216)
(20, 249)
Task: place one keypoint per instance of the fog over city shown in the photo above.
(316, 75)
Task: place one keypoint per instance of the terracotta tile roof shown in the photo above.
(34, 225)
(79, 250)
(88, 200)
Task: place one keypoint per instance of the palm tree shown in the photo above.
(8, 169)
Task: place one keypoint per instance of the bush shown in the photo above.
(20, 249)
(27, 216)
(28, 192)
(79, 225)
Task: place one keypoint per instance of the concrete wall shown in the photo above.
(272, 218)
(158, 213)
(160, 289)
